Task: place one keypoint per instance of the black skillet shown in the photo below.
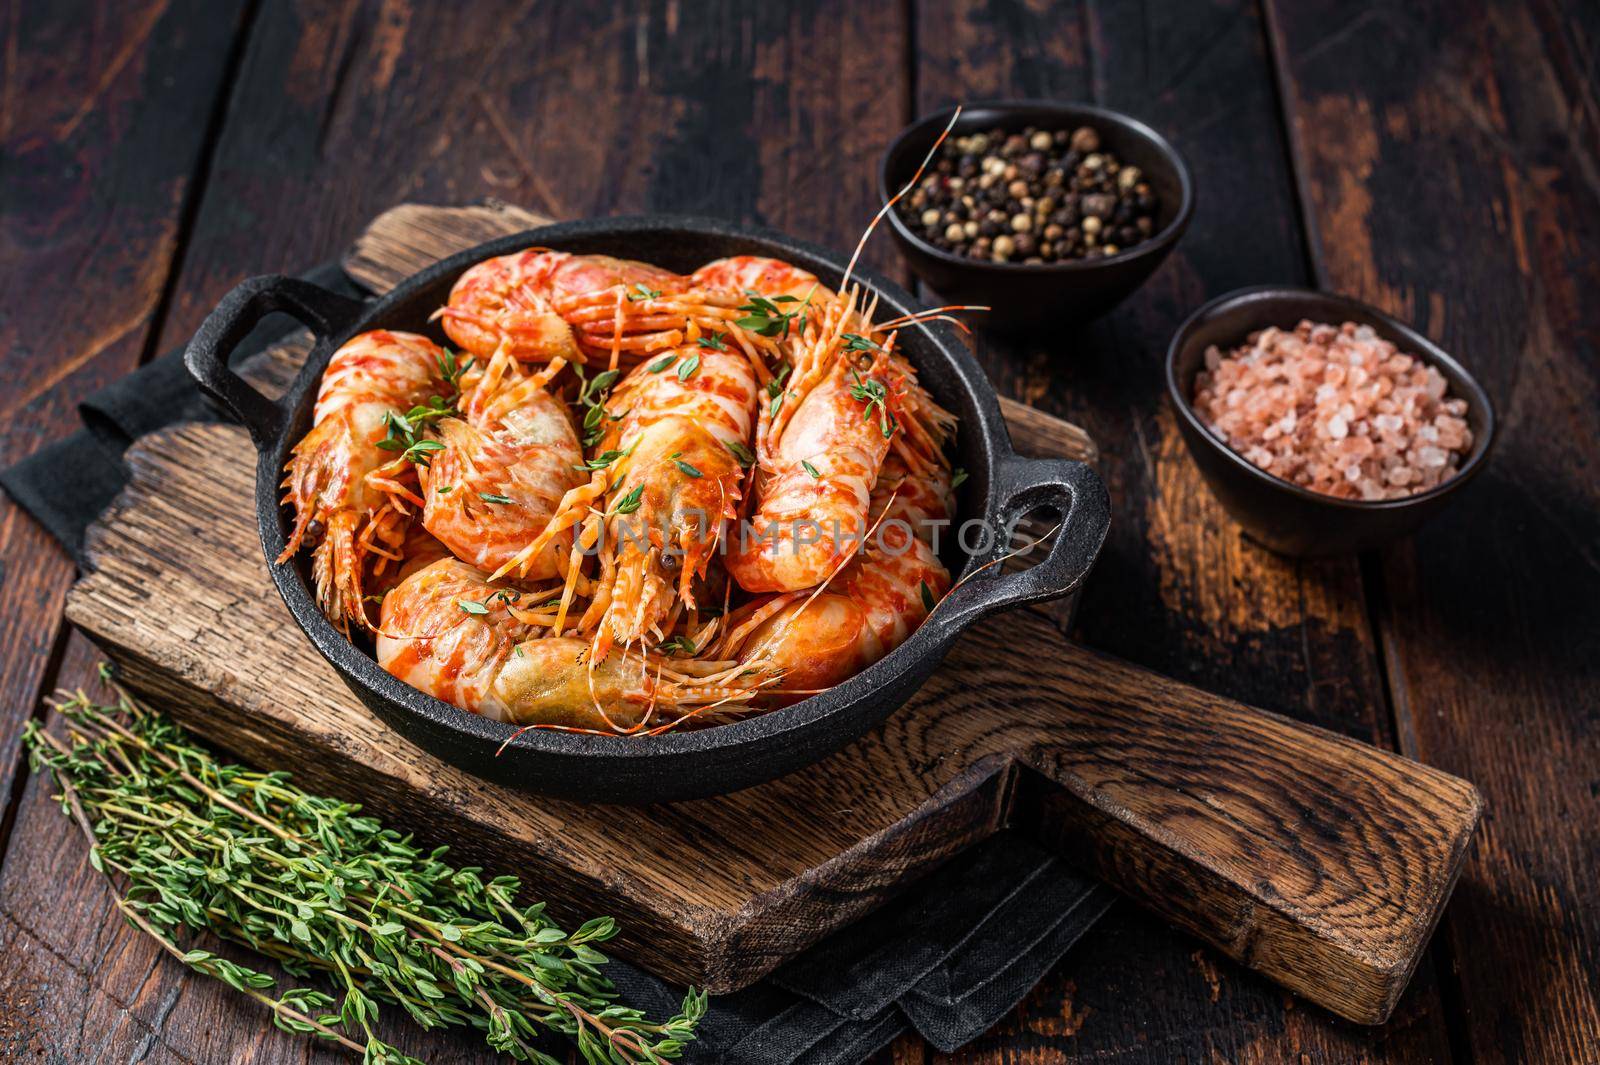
(1001, 488)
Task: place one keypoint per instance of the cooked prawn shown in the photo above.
(815, 639)
(669, 477)
(508, 302)
(505, 465)
(333, 481)
(448, 631)
(822, 444)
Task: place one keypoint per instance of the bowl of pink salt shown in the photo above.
(1323, 425)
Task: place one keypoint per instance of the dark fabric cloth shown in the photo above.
(66, 485)
(949, 958)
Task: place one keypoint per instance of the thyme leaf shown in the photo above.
(630, 502)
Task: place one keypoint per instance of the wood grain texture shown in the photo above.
(1448, 155)
(764, 113)
(103, 118)
(1318, 860)
(1178, 588)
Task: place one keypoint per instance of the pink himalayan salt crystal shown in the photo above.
(1335, 409)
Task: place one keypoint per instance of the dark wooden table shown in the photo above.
(1438, 158)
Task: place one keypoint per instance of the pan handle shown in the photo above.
(325, 313)
(1075, 492)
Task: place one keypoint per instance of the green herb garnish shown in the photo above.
(812, 470)
(403, 430)
(928, 602)
(592, 396)
(743, 454)
(630, 502)
(643, 292)
(687, 367)
(490, 497)
(764, 317)
(872, 393)
(451, 370)
(662, 363)
(687, 469)
(714, 342)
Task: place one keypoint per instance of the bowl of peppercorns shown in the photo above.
(1047, 213)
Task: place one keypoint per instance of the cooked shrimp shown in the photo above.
(504, 304)
(814, 640)
(333, 476)
(819, 460)
(511, 302)
(755, 273)
(448, 631)
(670, 476)
(506, 464)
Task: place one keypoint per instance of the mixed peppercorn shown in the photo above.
(1038, 196)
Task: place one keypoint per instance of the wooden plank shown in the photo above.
(93, 99)
(1178, 588)
(1446, 153)
(104, 116)
(764, 113)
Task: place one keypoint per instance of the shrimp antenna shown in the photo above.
(886, 208)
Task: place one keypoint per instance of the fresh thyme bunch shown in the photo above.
(307, 881)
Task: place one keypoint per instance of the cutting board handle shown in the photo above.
(1318, 860)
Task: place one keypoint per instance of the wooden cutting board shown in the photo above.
(1319, 861)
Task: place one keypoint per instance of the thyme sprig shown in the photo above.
(765, 317)
(405, 430)
(310, 882)
(592, 397)
(871, 393)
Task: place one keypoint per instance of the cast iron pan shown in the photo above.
(1001, 487)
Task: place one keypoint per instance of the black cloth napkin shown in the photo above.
(949, 958)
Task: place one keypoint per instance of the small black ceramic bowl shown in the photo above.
(1024, 297)
(1283, 516)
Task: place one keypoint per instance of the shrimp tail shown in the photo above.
(336, 570)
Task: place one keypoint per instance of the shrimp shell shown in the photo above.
(511, 302)
(815, 639)
(756, 273)
(331, 471)
(504, 469)
(489, 662)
